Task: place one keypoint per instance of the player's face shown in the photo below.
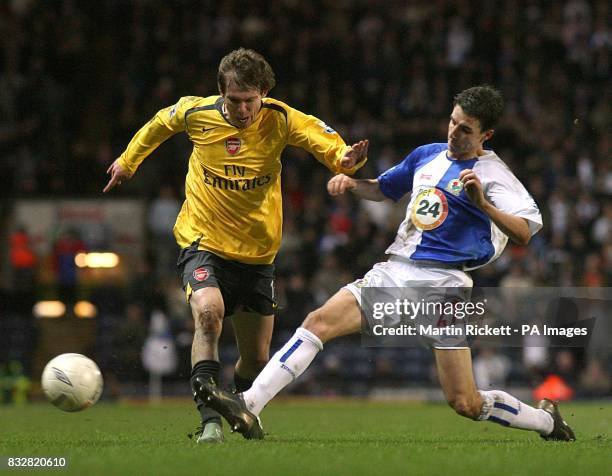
(242, 106)
(465, 137)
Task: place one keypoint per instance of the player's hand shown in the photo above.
(473, 187)
(118, 175)
(357, 153)
(340, 183)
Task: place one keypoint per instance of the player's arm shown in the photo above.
(392, 184)
(163, 125)
(516, 227)
(368, 189)
(325, 143)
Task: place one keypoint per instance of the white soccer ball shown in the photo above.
(72, 382)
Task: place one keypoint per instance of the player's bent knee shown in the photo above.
(317, 323)
(465, 407)
(207, 318)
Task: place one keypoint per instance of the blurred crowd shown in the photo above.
(77, 79)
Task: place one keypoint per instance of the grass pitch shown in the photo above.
(306, 437)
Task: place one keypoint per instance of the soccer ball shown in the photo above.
(72, 382)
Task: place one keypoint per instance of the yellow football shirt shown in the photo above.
(233, 204)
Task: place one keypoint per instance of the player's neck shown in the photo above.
(469, 155)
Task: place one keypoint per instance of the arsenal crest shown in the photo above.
(232, 145)
(200, 274)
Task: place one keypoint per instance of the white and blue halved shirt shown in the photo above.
(442, 224)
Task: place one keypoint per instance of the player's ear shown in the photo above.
(488, 134)
(264, 93)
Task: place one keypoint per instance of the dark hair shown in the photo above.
(247, 69)
(484, 103)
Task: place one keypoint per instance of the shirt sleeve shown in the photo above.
(316, 137)
(164, 124)
(397, 181)
(509, 195)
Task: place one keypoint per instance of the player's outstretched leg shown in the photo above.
(339, 316)
(231, 406)
(457, 380)
(561, 430)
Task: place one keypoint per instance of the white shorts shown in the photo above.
(409, 275)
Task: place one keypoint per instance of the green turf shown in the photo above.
(305, 438)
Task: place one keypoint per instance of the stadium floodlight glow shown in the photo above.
(81, 260)
(96, 260)
(85, 310)
(49, 309)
